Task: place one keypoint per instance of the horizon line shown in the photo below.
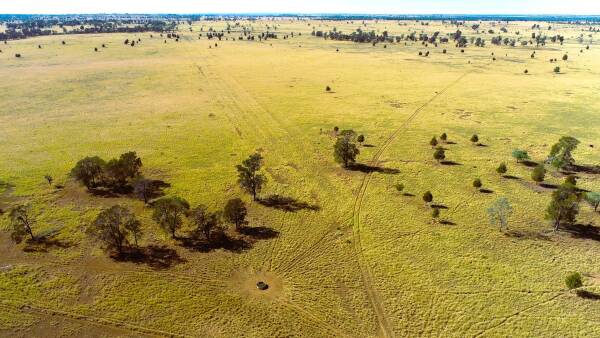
(311, 14)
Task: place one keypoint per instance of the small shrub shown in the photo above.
(444, 137)
(327, 89)
(502, 169)
(477, 183)
(539, 173)
(433, 142)
(474, 138)
(399, 187)
(574, 281)
(557, 69)
(427, 197)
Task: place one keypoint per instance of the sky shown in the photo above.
(587, 7)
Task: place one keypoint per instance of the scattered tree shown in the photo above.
(574, 280)
(444, 137)
(21, 222)
(399, 187)
(557, 69)
(427, 197)
(206, 222)
(433, 142)
(435, 214)
(499, 212)
(477, 183)
(235, 212)
(249, 177)
(344, 151)
(564, 206)
(539, 173)
(474, 138)
(561, 152)
(565, 57)
(112, 226)
(168, 212)
(502, 169)
(361, 139)
(143, 188)
(89, 171)
(520, 155)
(439, 154)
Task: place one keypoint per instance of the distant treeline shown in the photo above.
(36, 26)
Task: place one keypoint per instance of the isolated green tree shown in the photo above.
(502, 169)
(564, 206)
(520, 155)
(144, 189)
(168, 213)
(439, 154)
(399, 187)
(249, 177)
(477, 183)
(444, 137)
(21, 222)
(574, 280)
(539, 173)
(433, 142)
(235, 212)
(474, 138)
(360, 139)
(428, 197)
(561, 152)
(499, 213)
(344, 151)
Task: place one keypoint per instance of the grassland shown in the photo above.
(369, 261)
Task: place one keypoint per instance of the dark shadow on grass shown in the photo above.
(285, 203)
(587, 295)
(450, 142)
(407, 194)
(156, 257)
(528, 163)
(482, 145)
(259, 232)
(218, 241)
(486, 191)
(367, 169)
(101, 192)
(510, 177)
(548, 186)
(439, 206)
(368, 146)
(45, 243)
(447, 222)
(587, 169)
(525, 234)
(451, 163)
(583, 231)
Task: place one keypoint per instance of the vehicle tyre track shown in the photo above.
(365, 270)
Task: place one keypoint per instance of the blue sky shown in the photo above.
(588, 7)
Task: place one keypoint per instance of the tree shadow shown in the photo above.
(450, 142)
(367, 169)
(439, 206)
(219, 240)
(450, 163)
(45, 243)
(102, 192)
(587, 295)
(486, 191)
(368, 146)
(548, 186)
(482, 145)
(447, 222)
(583, 231)
(407, 194)
(529, 163)
(510, 177)
(156, 257)
(157, 189)
(525, 234)
(587, 169)
(289, 204)
(259, 232)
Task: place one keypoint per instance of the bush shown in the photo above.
(427, 197)
(477, 183)
(474, 138)
(557, 69)
(433, 142)
(444, 137)
(539, 173)
(574, 281)
(502, 169)
(399, 187)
